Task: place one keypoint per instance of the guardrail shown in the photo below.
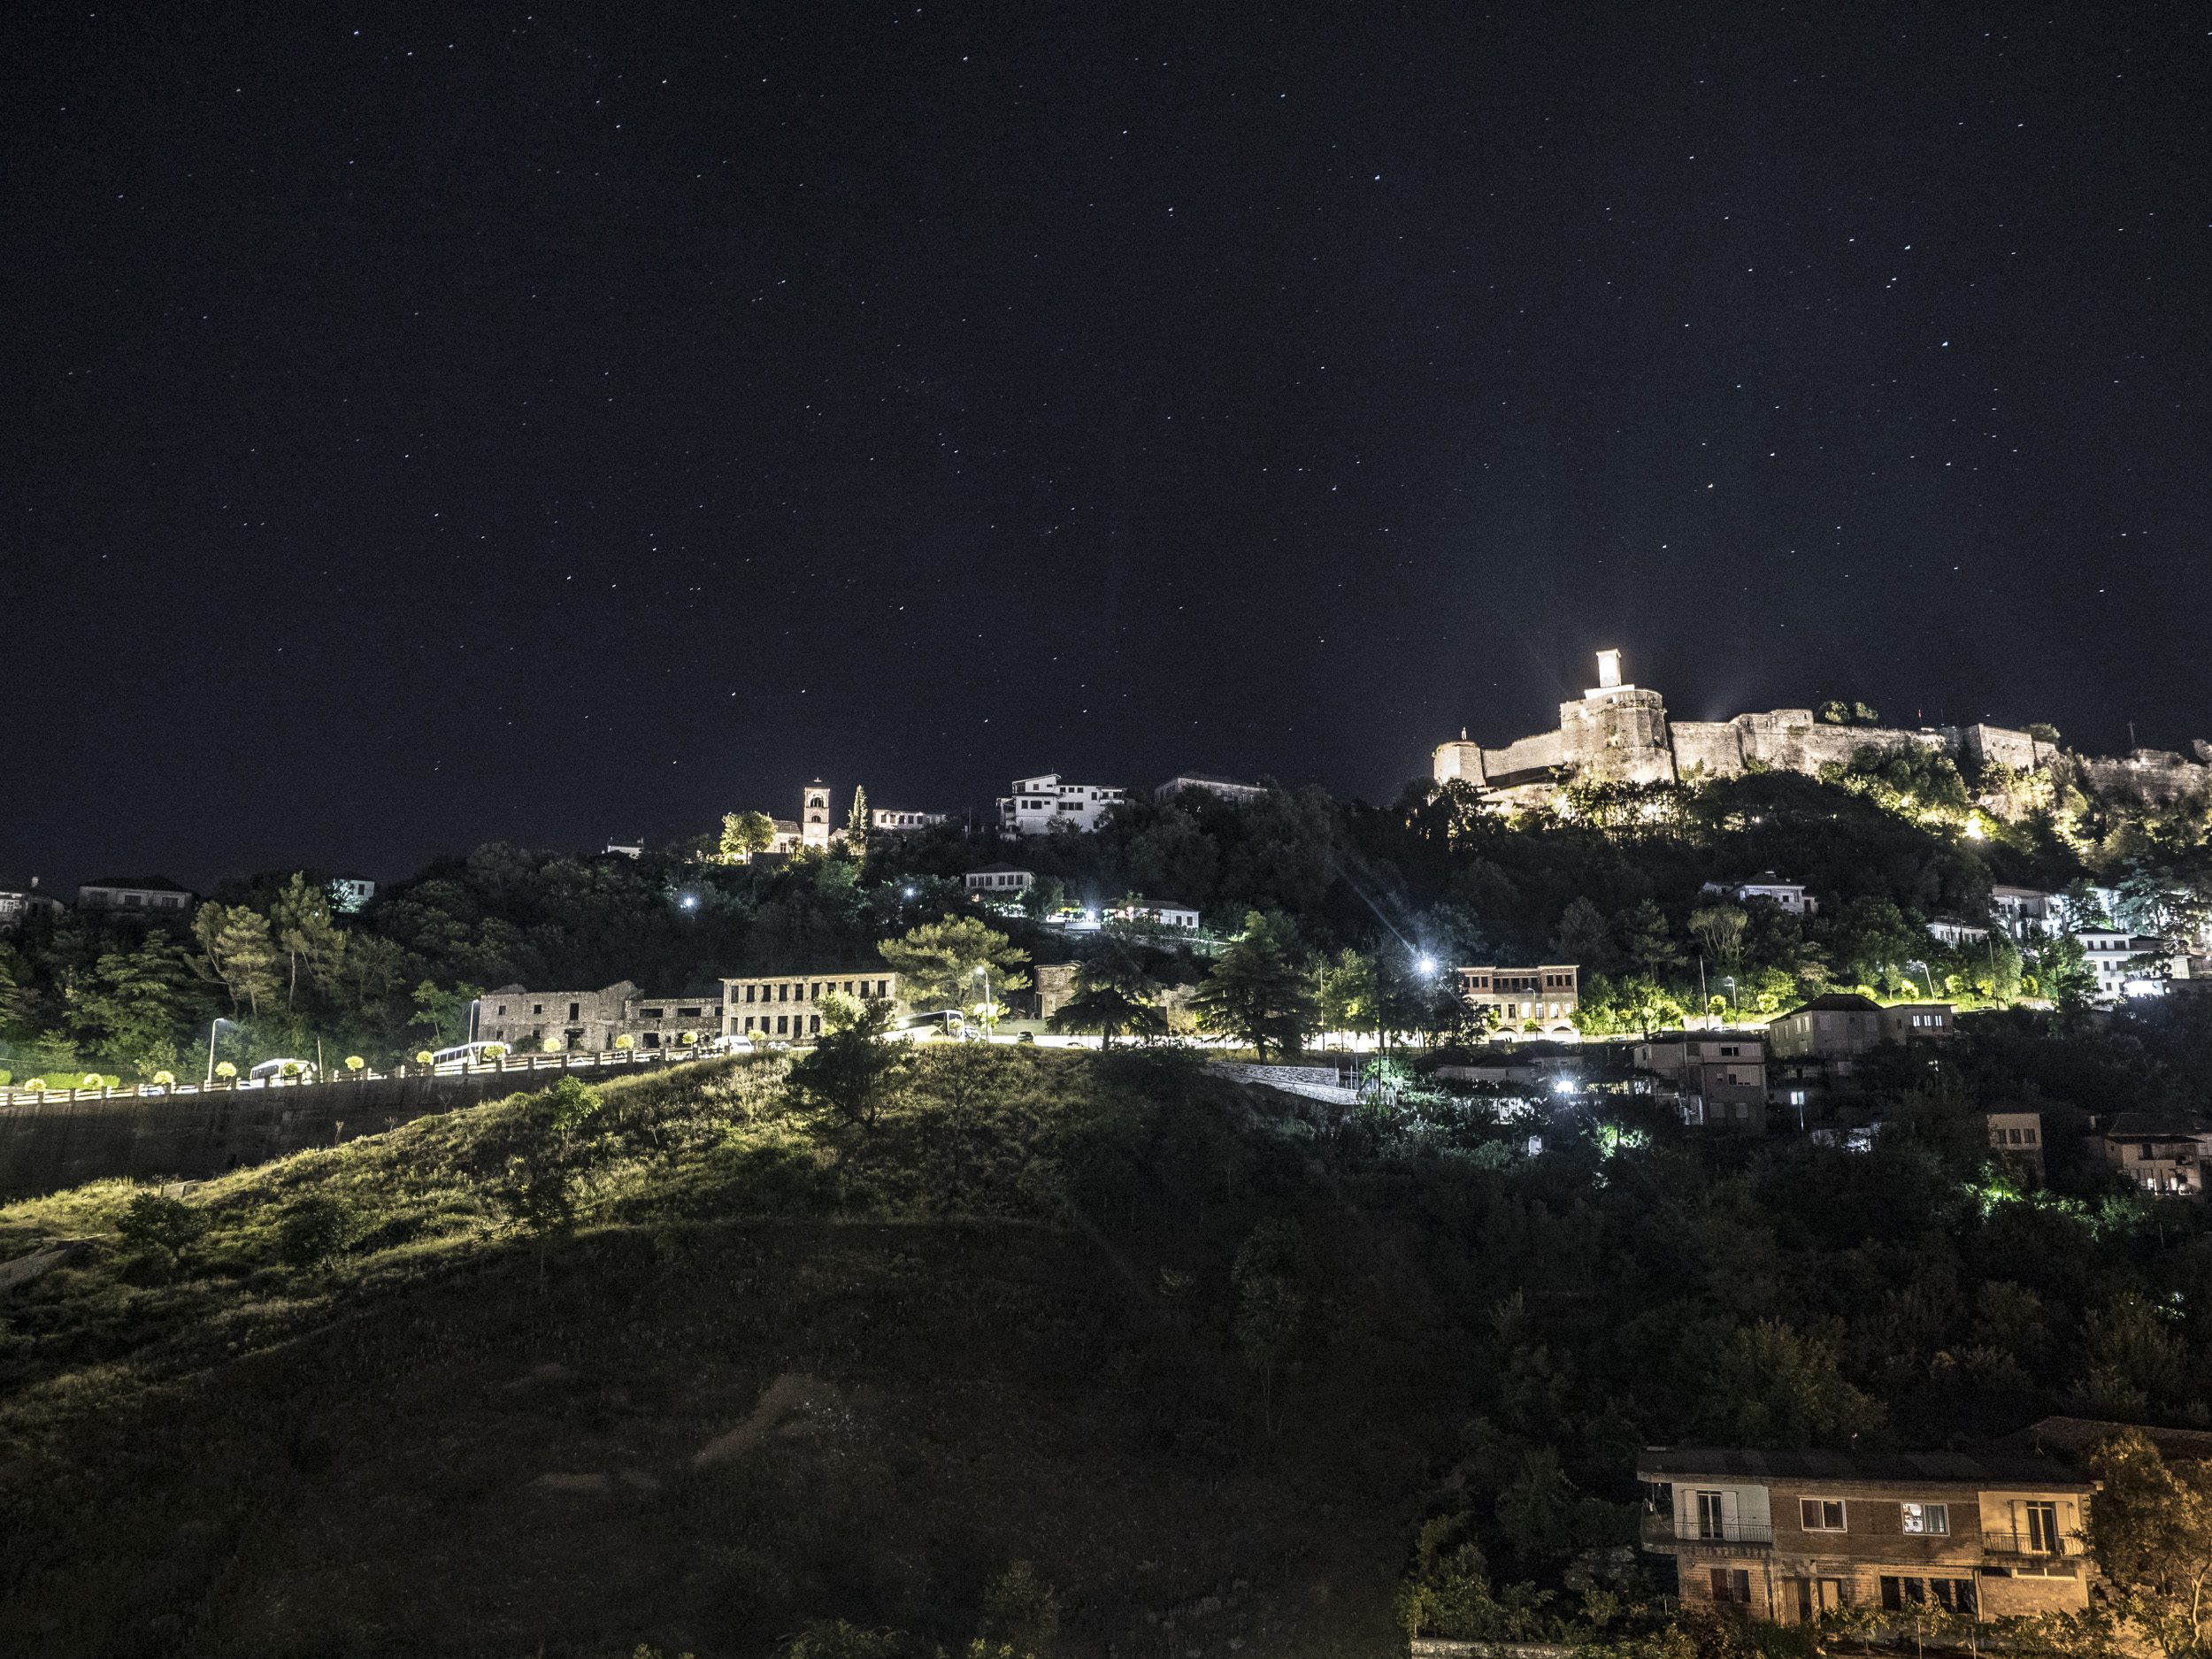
(564, 1062)
(1663, 1529)
(1998, 1540)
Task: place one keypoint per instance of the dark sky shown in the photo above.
(426, 427)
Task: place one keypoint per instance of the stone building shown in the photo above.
(2162, 1153)
(1789, 1536)
(2016, 1140)
(1544, 997)
(789, 1005)
(1615, 731)
(594, 1021)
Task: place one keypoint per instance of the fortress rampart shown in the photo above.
(1622, 732)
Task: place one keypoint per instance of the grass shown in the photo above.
(993, 1326)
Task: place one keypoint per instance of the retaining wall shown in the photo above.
(63, 1143)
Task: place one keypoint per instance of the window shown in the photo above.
(814, 1023)
(1711, 1518)
(1820, 1514)
(537, 1008)
(1731, 1583)
(2042, 1528)
(574, 1011)
(783, 994)
(1931, 1520)
(1901, 1593)
(649, 1013)
(503, 1008)
(783, 1023)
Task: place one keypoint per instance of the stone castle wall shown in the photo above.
(1623, 733)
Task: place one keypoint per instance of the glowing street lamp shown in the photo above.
(211, 1030)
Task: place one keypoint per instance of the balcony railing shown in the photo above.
(1662, 1528)
(1998, 1540)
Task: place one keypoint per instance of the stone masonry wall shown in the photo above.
(57, 1144)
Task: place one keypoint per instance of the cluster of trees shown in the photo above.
(1350, 899)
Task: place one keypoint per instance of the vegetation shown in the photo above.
(761, 1357)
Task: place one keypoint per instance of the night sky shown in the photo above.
(428, 427)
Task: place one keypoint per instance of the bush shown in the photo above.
(167, 1225)
(314, 1230)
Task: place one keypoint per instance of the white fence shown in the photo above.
(624, 1058)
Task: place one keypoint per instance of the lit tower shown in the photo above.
(814, 819)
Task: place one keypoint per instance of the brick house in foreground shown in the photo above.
(1788, 1536)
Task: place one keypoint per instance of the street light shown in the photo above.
(211, 1030)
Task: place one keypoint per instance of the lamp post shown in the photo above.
(211, 1030)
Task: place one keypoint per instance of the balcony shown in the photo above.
(1725, 1537)
(2010, 1546)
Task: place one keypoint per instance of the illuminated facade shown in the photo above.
(1541, 999)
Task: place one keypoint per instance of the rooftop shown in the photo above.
(136, 884)
(1991, 1467)
(1838, 1003)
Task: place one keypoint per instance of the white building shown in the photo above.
(1228, 788)
(2118, 961)
(1950, 930)
(623, 849)
(1041, 804)
(21, 899)
(136, 893)
(890, 820)
(1791, 895)
(1009, 881)
(348, 893)
(2025, 912)
(814, 817)
(1154, 913)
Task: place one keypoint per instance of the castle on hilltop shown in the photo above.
(1620, 732)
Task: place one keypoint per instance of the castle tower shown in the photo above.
(814, 817)
(1609, 671)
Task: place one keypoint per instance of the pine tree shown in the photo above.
(857, 822)
(240, 955)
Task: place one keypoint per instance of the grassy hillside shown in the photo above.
(691, 1363)
(775, 1369)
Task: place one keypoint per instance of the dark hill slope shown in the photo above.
(780, 1370)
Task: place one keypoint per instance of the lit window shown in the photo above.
(1928, 1519)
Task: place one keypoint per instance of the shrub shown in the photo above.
(315, 1229)
(167, 1226)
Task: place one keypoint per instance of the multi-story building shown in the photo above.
(2164, 1154)
(1228, 788)
(789, 1005)
(2118, 959)
(140, 895)
(1543, 998)
(585, 1021)
(887, 820)
(1835, 1029)
(1041, 804)
(1917, 1022)
(999, 881)
(20, 900)
(2015, 1138)
(2026, 913)
(1789, 1536)
(1717, 1077)
(814, 817)
(1956, 931)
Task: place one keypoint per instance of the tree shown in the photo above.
(1720, 929)
(444, 1014)
(2150, 1532)
(239, 955)
(1113, 996)
(315, 1229)
(309, 937)
(938, 962)
(1270, 1304)
(1259, 990)
(1649, 941)
(852, 1069)
(857, 825)
(164, 1228)
(134, 1003)
(745, 834)
(1582, 937)
(1349, 995)
(1021, 1613)
(1774, 1387)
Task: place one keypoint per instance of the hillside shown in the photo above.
(766, 1379)
(691, 1363)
